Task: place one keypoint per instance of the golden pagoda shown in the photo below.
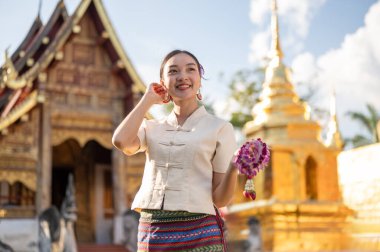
(299, 205)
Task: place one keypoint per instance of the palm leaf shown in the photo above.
(362, 119)
(374, 118)
(360, 140)
(369, 122)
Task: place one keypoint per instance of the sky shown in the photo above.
(329, 44)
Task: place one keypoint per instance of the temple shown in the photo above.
(299, 204)
(62, 93)
(69, 84)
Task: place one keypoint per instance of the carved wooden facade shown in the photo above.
(62, 93)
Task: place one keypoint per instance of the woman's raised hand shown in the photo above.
(157, 93)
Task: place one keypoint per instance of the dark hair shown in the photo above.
(175, 52)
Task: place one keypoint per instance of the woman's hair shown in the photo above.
(175, 52)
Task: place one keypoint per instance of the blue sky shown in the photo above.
(333, 21)
(230, 35)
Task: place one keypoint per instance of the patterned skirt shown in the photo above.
(161, 230)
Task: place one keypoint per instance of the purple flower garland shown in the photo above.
(252, 157)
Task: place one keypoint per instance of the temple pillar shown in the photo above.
(118, 180)
(43, 198)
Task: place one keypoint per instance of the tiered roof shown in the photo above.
(19, 89)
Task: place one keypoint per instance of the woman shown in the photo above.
(188, 172)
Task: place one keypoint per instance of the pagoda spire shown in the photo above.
(279, 103)
(275, 50)
(276, 71)
(334, 139)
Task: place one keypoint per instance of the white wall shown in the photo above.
(20, 234)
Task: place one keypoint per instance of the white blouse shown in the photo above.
(180, 161)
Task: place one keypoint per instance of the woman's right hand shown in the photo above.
(156, 93)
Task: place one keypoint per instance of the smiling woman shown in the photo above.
(188, 172)
(180, 75)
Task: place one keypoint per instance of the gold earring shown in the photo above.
(199, 95)
(168, 98)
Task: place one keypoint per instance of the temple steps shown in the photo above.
(101, 248)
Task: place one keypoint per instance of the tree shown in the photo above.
(244, 89)
(246, 86)
(369, 122)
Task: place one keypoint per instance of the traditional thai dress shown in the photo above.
(161, 230)
(175, 198)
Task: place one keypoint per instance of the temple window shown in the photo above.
(16, 194)
(311, 179)
(107, 194)
(4, 193)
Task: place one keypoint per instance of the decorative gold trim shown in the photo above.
(24, 118)
(42, 77)
(30, 62)
(28, 178)
(3, 213)
(25, 161)
(77, 29)
(59, 55)
(81, 136)
(9, 76)
(45, 40)
(120, 64)
(105, 35)
(16, 84)
(19, 110)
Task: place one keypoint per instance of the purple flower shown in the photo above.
(252, 157)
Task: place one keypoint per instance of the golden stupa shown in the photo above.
(299, 204)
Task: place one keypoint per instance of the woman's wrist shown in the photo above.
(146, 102)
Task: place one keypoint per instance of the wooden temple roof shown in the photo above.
(36, 46)
(33, 31)
(19, 89)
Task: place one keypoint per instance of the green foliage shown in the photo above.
(244, 89)
(238, 119)
(369, 122)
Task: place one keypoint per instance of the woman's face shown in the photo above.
(181, 77)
